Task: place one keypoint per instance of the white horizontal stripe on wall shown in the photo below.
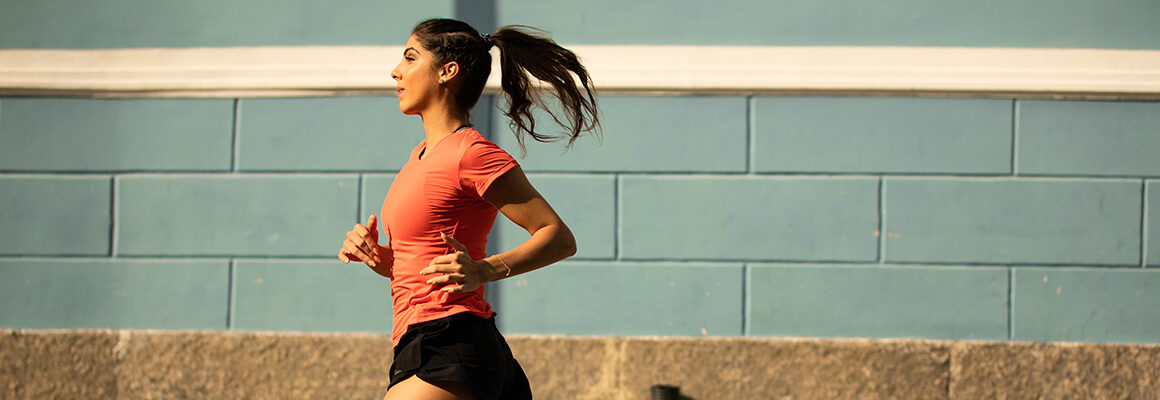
(329, 70)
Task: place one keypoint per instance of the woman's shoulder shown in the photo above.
(477, 151)
(471, 136)
(472, 142)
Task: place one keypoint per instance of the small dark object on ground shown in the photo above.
(665, 392)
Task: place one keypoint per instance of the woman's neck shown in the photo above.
(439, 125)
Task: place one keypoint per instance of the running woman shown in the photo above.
(444, 200)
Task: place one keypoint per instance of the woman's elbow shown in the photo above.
(567, 243)
(570, 249)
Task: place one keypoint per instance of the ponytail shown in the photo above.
(524, 53)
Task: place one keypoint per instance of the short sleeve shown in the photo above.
(483, 162)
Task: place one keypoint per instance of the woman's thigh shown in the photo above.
(414, 388)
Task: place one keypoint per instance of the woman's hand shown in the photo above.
(462, 274)
(362, 244)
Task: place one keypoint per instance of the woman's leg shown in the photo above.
(414, 388)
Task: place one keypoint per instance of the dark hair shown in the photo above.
(523, 51)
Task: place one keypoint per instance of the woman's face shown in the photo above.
(415, 78)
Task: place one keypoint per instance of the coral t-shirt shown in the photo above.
(440, 189)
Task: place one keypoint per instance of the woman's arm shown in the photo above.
(515, 197)
(551, 239)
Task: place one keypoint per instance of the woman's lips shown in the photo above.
(399, 91)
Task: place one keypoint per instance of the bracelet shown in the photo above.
(505, 264)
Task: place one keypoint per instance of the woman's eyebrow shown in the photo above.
(410, 49)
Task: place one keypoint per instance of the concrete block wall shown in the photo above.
(993, 219)
(1126, 24)
(155, 220)
(852, 216)
(62, 24)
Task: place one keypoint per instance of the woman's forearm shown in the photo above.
(549, 244)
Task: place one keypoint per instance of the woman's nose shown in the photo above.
(395, 74)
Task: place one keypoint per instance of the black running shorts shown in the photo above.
(462, 348)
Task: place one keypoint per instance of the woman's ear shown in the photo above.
(448, 72)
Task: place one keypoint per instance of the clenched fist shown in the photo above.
(362, 244)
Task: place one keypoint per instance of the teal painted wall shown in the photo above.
(64, 24)
(853, 216)
(1127, 24)
(916, 217)
(993, 219)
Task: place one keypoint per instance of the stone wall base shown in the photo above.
(133, 364)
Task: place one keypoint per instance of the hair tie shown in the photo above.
(487, 38)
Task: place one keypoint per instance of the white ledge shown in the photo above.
(329, 70)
